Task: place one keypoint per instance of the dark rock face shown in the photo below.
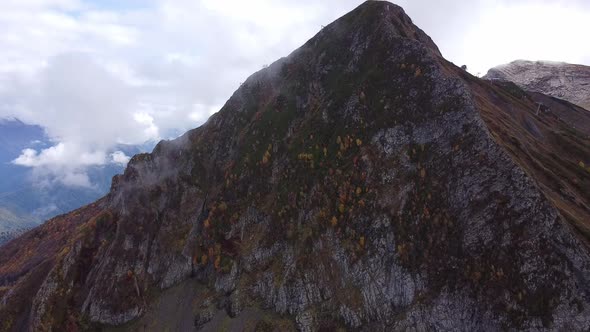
(362, 182)
(562, 80)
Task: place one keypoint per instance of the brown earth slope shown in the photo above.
(363, 182)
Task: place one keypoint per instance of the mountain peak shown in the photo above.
(377, 19)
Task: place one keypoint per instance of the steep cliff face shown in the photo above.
(562, 80)
(363, 181)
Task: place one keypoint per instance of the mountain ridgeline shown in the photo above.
(362, 182)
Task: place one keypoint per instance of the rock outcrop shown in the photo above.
(562, 80)
(362, 182)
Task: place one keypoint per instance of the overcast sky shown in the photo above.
(98, 73)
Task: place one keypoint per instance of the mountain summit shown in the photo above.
(362, 182)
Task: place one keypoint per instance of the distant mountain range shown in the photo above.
(13, 225)
(25, 204)
(566, 81)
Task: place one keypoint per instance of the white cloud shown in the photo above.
(84, 108)
(59, 155)
(63, 163)
(75, 179)
(97, 74)
(120, 158)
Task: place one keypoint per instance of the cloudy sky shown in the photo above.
(99, 73)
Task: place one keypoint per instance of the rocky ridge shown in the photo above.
(558, 79)
(362, 182)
